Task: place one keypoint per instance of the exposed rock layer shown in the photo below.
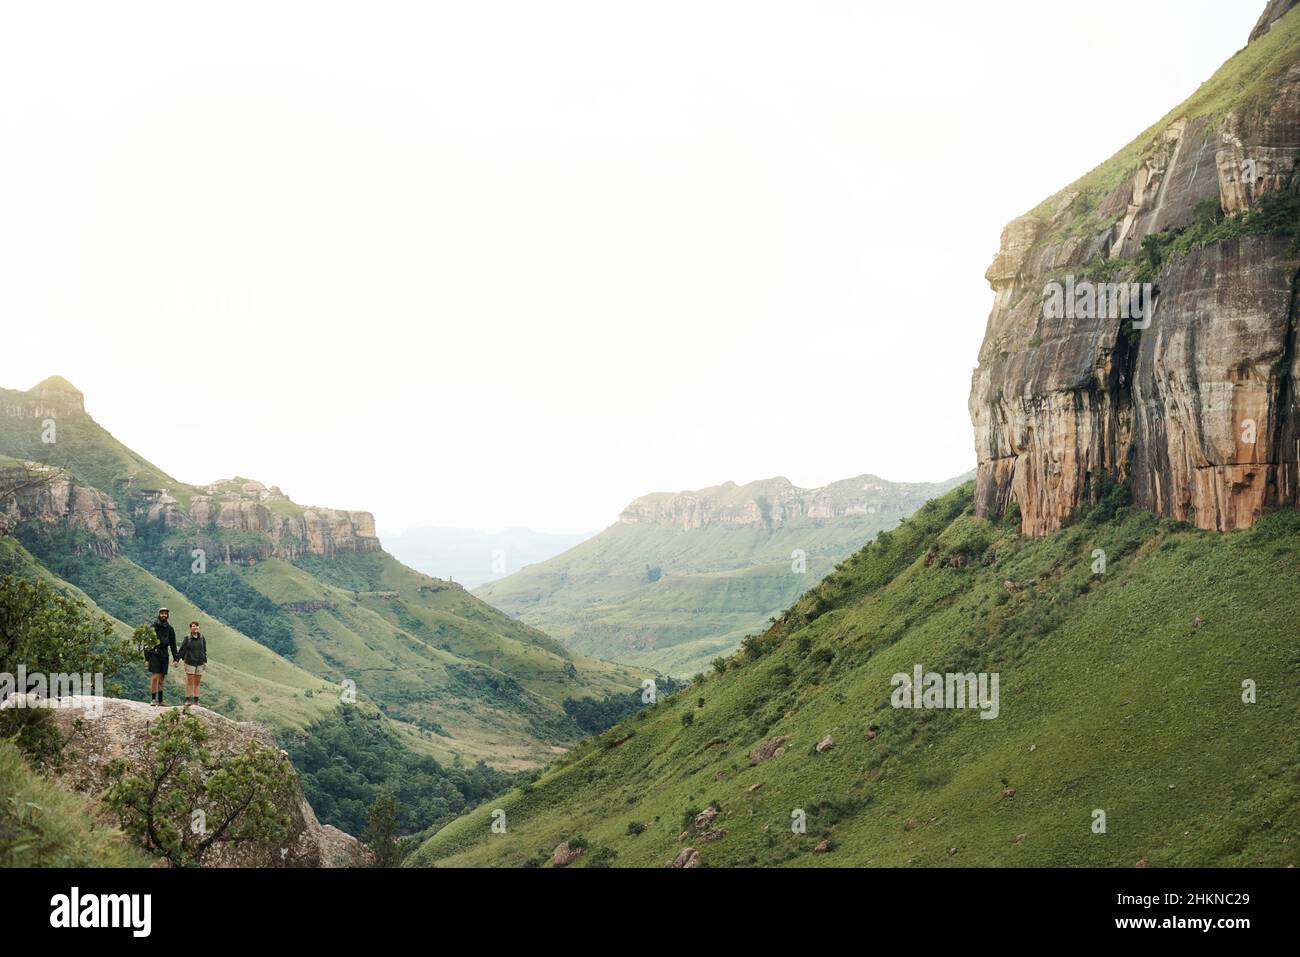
(775, 502)
(57, 499)
(1196, 412)
(49, 423)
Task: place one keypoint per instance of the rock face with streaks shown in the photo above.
(244, 505)
(1193, 407)
(50, 496)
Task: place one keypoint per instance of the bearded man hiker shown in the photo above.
(156, 658)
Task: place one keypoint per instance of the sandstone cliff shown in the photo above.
(102, 487)
(55, 498)
(775, 502)
(1196, 411)
(291, 531)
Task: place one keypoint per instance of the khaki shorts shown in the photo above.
(194, 669)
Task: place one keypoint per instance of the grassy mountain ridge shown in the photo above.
(1120, 692)
(247, 682)
(660, 591)
(291, 611)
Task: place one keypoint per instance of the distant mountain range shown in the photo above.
(474, 558)
(682, 577)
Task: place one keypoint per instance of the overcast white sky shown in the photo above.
(489, 264)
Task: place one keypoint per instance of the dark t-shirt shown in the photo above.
(166, 638)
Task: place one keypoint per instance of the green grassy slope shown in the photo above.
(81, 445)
(245, 681)
(1119, 692)
(433, 657)
(45, 824)
(718, 584)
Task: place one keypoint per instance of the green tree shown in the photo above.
(48, 632)
(381, 830)
(236, 793)
(45, 632)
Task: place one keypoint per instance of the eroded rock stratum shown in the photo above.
(1197, 413)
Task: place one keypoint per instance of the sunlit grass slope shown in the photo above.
(1120, 692)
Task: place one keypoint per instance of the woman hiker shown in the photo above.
(156, 658)
(194, 652)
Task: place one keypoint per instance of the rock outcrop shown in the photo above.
(686, 859)
(1197, 411)
(1271, 14)
(564, 854)
(248, 506)
(121, 730)
(52, 398)
(775, 502)
(54, 498)
(771, 748)
(106, 489)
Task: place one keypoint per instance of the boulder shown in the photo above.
(705, 817)
(771, 748)
(113, 728)
(689, 857)
(564, 855)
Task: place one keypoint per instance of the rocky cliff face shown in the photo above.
(1272, 13)
(775, 502)
(244, 505)
(59, 500)
(103, 487)
(1196, 411)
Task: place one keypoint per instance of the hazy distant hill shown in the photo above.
(682, 577)
(474, 558)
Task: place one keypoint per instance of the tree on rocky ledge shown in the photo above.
(186, 801)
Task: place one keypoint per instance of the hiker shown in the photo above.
(194, 652)
(156, 658)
